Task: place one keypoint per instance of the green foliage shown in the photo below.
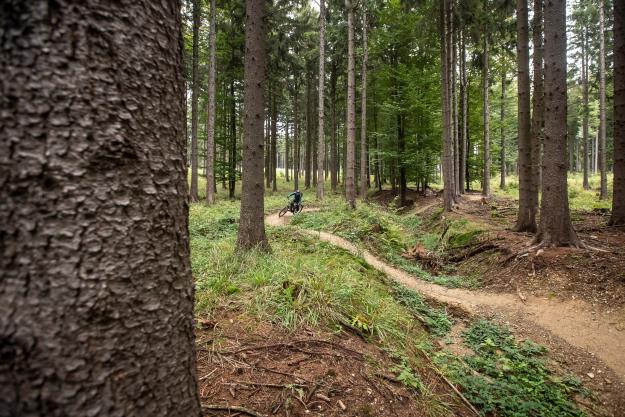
(508, 378)
(437, 320)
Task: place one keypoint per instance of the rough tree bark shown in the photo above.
(447, 159)
(526, 217)
(274, 144)
(486, 117)
(96, 292)
(364, 184)
(252, 221)
(350, 169)
(334, 165)
(454, 98)
(322, 77)
(502, 116)
(195, 92)
(618, 197)
(463, 108)
(287, 150)
(296, 145)
(538, 110)
(308, 150)
(210, 134)
(603, 194)
(585, 110)
(232, 157)
(555, 228)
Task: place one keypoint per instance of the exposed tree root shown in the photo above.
(231, 408)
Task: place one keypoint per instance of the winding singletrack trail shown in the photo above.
(573, 321)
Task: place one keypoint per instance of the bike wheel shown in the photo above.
(299, 208)
(283, 211)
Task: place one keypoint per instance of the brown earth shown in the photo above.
(271, 371)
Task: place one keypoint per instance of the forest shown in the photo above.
(312, 207)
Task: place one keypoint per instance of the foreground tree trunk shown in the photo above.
(322, 77)
(618, 198)
(210, 134)
(603, 194)
(555, 227)
(96, 295)
(486, 116)
(195, 92)
(252, 222)
(364, 175)
(526, 218)
(350, 157)
(334, 164)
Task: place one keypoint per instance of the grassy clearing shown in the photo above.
(508, 378)
(385, 233)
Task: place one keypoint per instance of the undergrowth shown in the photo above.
(509, 378)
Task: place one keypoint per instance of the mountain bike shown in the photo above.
(292, 207)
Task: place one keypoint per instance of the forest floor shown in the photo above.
(295, 331)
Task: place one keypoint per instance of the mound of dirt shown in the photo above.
(254, 368)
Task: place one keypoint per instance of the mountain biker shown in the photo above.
(297, 200)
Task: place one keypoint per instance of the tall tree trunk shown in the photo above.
(210, 134)
(403, 186)
(364, 184)
(538, 114)
(252, 220)
(376, 144)
(555, 227)
(502, 113)
(334, 164)
(232, 158)
(195, 92)
(267, 155)
(308, 153)
(603, 194)
(526, 217)
(287, 150)
(585, 107)
(350, 169)
(464, 108)
(274, 144)
(96, 294)
(486, 117)
(454, 96)
(322, 77)
(618, 197)
(447, 159)
(296, 144)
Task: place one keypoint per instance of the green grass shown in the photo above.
(385, 233)
(508, 378)
(303, 281)
(579, 199)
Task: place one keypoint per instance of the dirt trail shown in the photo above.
(574, 321)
